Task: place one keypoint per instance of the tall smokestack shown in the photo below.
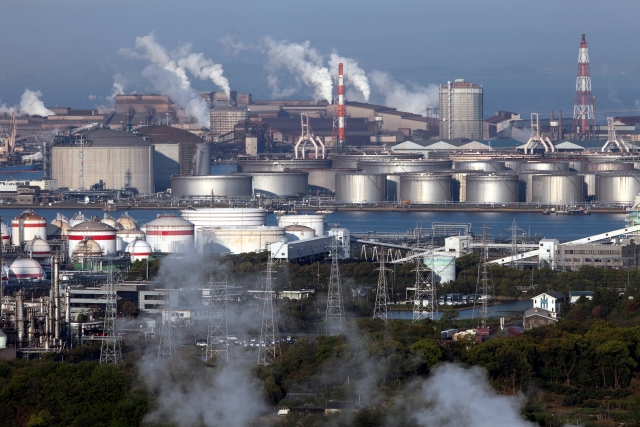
(584, 119)
(56, 297)
(340, 112)
(20, 316)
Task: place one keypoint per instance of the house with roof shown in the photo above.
(535, 317)
(574, 296)
(551, 301)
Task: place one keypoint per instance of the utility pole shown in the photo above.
(269, 330)
(335, 305)
(111, 350)
(426, 294)
(381, 308)
(218, 335)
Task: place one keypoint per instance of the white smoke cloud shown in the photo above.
(354, 75)
(460, 397)
(303, 62)
(232, 47)
(204, 68)
(398, 95)
(30, 105)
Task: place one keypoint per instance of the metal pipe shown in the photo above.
(67, 300)
(56, 297)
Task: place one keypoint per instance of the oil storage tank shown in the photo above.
(544, 166)
(610, 166)
(170, 234)
(103, 234)
(360, 188)
(219, 217)
(316, 222)
(324, 180)
(279, 183)
(617, 187)
(393, 187)
(392, 166)
(492, 188)
(237, 240)
(212, 185)
(480, 165)
(26, 226)
(280, 165)
(119, 159)
(558, 189)
(425, 188)
(526, 183)
(350, 161)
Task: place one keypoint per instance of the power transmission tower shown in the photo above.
(381, 309)
(335, 306)
(425, 304)
(165, 348)
(514, 229)
(218, 336)
(111, 350)
(269, 330)
(483, 285)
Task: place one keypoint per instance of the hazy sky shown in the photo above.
(524, 53)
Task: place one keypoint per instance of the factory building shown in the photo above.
(176, 152)
(119, 159)
(225, 118)
(461, 110)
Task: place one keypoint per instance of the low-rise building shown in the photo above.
(574, 296)
(551, 301)
(536, 317)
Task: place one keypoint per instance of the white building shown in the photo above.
(547, 251)
(460, 245)
(551, 301)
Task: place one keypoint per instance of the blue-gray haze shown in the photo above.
(524, 53)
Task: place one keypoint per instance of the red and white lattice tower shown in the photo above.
(584, 119)
(339, 113)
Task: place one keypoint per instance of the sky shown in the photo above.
(523, 53)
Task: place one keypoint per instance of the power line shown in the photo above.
(111, 350)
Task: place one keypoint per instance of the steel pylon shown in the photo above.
(381, 308)
(425, 303)
(111, 349)
(218, 335)
(269, 330)
(484, 285)
(335, 305)
(165, 347)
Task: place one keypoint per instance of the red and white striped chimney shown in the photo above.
(341, 109)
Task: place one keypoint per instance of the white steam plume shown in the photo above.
(397, 95)
(303, 62)
(169, 78)
(354, 75)
(460, 397)
(30, 105)
(232, 47)
(204, 68)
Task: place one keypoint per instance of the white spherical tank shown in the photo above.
(127, 222)
(126, 236)
(26, 226)
(315, 222)
(6, 235)
(110, 221)
(138, 249)
(26, 269)
(170, 234)
(298, 232)
(237, 240)
(58, 229)
(86, 248)
(40, 250)
(103, 234)
(77, 219)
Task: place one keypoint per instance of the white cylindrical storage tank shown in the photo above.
(237, 240)
(170, 234)
(219, 217)
(492, 188)
(617, 187)
(360, 188)
(610, 166)
(26, 226)
(324, 180)
(459, 186)
(298, 232)
(124, 237)
(103, 234)
(425, 188)
(315, 222)
(544, 166)
(391, 166)
(254, 165)
(6, 235)
(26, 269)
(212, 185)
(138, 249)
(127, 222)
(350, 161)
(480, 165)
(526, 184)
(558, 189)
(589, 185)
(443, 265)
(280, 183)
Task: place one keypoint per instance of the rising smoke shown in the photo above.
(398, 95)
(168, 74)
(30, 105)
(354, 75)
